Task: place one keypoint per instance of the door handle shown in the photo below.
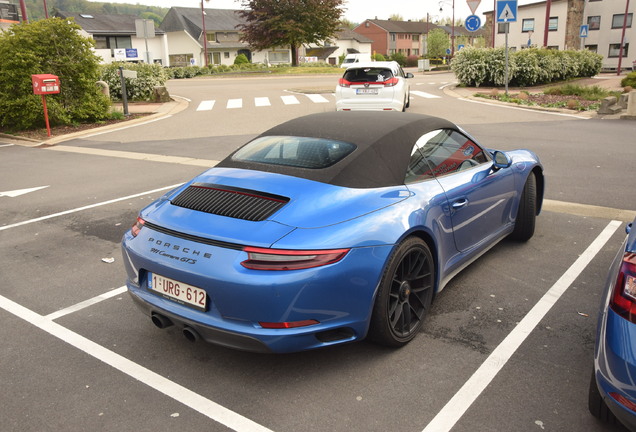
(460, 203)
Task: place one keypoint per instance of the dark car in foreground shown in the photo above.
(326, 229)
(612, 393)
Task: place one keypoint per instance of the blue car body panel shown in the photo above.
(615, 352)
(460, 216)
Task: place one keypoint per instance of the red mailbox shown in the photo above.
(44, 84)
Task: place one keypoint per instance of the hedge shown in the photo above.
(137, 89)
(486, 66)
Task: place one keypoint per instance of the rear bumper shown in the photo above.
(616, 366)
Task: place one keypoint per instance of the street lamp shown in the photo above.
(452, 26)
(205, 36)
(622, 45)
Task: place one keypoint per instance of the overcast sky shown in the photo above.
(359, 10)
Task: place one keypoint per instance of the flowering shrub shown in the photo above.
(137, 89)
(486, 66)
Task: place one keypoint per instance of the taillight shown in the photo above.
(624, 298)
(344, 83)
(139, 224)
(391, 82)
(280, 259)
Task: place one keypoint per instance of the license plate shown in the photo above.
(176, 291)
(367, 91)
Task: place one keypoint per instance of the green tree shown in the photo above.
(437, 43)
(272, 23)
(396, 17)
(52, 46)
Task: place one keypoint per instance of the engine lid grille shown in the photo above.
(229, 201)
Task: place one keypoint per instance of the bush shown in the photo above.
(411, 61)
(477, 66)
(378, 57)
(399, 57)
(241, 59)
(629, 80)
(140, 88)
(25, 49)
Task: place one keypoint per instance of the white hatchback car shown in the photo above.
(373, 86)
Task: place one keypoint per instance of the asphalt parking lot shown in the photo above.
(508, 346)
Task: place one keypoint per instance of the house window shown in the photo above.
(226, 54)
(553, 24)
(614, 50)
(416, 38)
(278, 56)
(393, 37)
(180, 59)
(416, 51)
(593, 48)
(617, 20)
(553, 47)
(594, 22)
(501, 27)
(211, 37)
(527, 25)
(112, 42)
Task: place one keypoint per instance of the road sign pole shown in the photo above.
(506, 70)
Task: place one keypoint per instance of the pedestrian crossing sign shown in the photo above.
(506, 10)
(583, 31)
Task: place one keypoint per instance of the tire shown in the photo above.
(527, 212)
(405, 294)
(597, 406)
(408, 100)
(404, 104)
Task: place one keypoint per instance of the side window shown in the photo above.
(448, 151)
(418, 169)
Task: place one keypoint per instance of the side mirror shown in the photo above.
(409, 75)
(501, 160)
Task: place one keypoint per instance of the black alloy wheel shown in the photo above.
(405, 294)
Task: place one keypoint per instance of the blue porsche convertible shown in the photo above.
(327, 229)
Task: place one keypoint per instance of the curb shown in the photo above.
(163, 111)
(450, 91)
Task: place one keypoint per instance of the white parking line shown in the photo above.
(470, 391)
(75, 210)
(86, 303)
(262, 101)
(152, 379)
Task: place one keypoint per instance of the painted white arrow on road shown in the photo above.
(19, 192)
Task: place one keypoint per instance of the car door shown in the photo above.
(479, 198)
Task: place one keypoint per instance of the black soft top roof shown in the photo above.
(384, 141)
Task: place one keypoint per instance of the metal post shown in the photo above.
(205, 37)
(506, 70)
(46, 10)
(494, 21)
(547, 23)
(453, 33)
(46, 116)
(25, 18)
(146, 40)
(124, 96)
(620, 49)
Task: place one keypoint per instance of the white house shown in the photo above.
(116, 38)
(345, 42)
(604, 20)
(184, 29)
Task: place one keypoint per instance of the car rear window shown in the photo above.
(368, 74)
(299, 152)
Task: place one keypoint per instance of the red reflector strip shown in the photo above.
(623, 401)
(288, 325)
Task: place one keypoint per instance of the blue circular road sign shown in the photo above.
(473, 22)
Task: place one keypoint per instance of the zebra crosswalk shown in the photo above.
(208, 105)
